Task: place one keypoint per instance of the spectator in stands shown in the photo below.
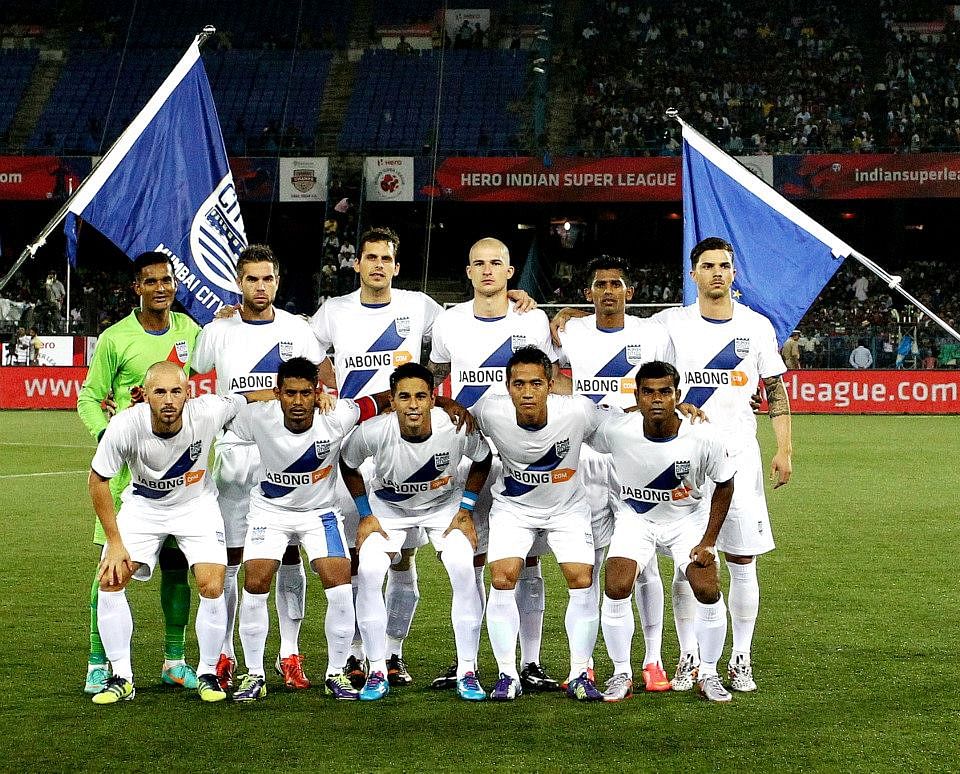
(861, 357)
(791, 351)
(36, 344)
(55, 291)
(859, 288)
(404, 47)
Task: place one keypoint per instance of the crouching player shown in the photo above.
(296, 500)
(165, 443)
(416, 454)
(662, 463)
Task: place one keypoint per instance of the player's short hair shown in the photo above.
(710, 243)
(530, 355)
(150, 258)
(411, 371)
(257, 254)
(379, 234)
(609, 263)
(657, 369)
(297, 368)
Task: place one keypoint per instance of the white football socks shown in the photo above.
(649, 597)
(744, 606)
(616, 616)
(466, 614)
(503, 627)
(115, 623)
(254, 625)
(582, 620)
(231, 597)
(338, 626)
(290, 600)
(371, 609)
(684, 612)
(711, 627)
(210, 625)
(531, 602)
(401, 599)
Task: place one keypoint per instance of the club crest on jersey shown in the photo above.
(286, 350)
(741, 346)
(322, 448)
(633, 354)
(182, 350)
(403, 326)
(562, 447)
(195, 448)
(681, 468)
(441, 460)
(518, 341)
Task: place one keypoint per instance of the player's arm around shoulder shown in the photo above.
(778, 408)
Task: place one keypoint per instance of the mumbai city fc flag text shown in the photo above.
(166, 186)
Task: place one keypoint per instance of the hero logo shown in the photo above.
(217, 236)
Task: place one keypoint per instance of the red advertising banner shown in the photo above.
(528, 179)
(41, 177)
(868, 176)
(51, 387)
(873, 392)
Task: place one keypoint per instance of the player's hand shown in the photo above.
(137, 395)
(692, 413)
(116, 565)
(227, 311)
(109, 406)
(463, 521)
(461, 418)
(781, 467)
(559, 322)
(703, 555)
(755, 400)
(325, 401)
(522, 301)
(368, 525)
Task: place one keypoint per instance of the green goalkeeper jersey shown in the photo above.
(122, 356)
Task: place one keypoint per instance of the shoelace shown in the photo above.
(375, 679)
(114, 685)
(471, 682)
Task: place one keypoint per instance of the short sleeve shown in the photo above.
(346, 414)
(431, 310)
(357, 448)
(243, 423)
(310, 346)
(225, 407)
(719, 466)
(544, 341)
(439, 352)
(476, 447)
(111, 452)
(769, 360)
(205, 353)
(320, 325)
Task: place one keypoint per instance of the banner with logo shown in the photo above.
(868, 176)
(528, 179)
(44, 178)
(303, 179)
(873, 392)
(255, 177)
(456, 17)
(166, 186)
(389, 178)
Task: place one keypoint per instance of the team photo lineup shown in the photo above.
(604, 439)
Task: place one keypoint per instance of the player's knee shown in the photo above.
(705, 583)
(582, 579)
(210, 583)
(503, 578)
(257, 578)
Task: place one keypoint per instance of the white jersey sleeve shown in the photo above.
(204, 355)
(115, 446)
(358, 447)
(320, 325)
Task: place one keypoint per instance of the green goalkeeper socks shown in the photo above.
(175, 603)
(97, 654)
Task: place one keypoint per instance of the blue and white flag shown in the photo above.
(166, 185)
(782, 257)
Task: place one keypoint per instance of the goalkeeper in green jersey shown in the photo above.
(122, 356)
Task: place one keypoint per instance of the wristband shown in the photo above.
(363, 505)
(469, 501)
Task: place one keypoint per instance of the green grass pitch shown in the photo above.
(854, 652)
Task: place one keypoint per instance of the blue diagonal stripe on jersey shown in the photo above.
(725, 360)
(356, 381)
(470, 394)
(178, 468)
(666, 481)
(549, 461)
(618, 366)
(389, 340)
(269, 363)
(500, 356)
(305, 463)
(427, 472)
(594, 398)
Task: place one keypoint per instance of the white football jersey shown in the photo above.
(721, 363)
(247, 353)
(298, 471)
(165, 472)
(478, 349)
(539, 475)
(371, 340)
(604, 363)
(417, 476)
(662, 480)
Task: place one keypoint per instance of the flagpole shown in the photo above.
(892, 281)
(31, 249)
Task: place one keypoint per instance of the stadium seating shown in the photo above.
(394, 101)
(16, 67)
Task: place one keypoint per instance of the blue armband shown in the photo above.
(363, 505)
(469, 501)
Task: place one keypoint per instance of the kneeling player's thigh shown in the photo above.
(508, 538)
(323, 537)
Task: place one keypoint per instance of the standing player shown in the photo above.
(122, 356)
(416, 485)
(604, 351)
(473, 342)
(662, 464)
(164, 444)
(723, 349)
(539, 494)
(296, 500)
(246, 350)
